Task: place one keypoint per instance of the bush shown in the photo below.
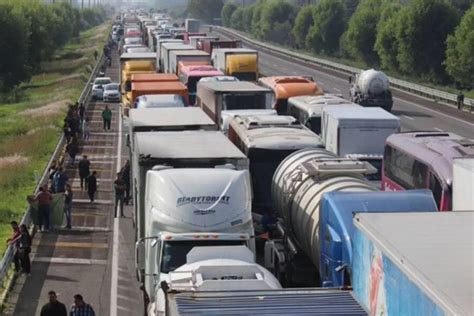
(226, 13)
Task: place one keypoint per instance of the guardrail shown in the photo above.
(59, 150)
(421, 90)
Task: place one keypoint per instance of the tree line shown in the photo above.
(32, 31)
(428, 39)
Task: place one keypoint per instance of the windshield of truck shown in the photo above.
(174, 252)
(236, 101)
(263, 163)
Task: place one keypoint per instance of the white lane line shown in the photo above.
(407, 117)
(84, 229)
(58, 260)
(115, 248)
(438, 129)
(434, 111)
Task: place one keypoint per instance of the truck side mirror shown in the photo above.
(140, 255)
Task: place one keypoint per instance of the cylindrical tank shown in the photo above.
(296, 196)
(373, 82)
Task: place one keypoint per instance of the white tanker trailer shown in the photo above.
(372, 88)
(293, 253)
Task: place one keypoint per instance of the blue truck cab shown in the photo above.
(335, 225)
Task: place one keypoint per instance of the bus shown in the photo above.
(285, 87)
(416, 160)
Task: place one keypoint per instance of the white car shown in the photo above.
(111, 92)
(98, 87)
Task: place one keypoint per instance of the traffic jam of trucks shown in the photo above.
(265, 195)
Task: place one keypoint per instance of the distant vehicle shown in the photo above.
(142, 49)
(159, 101)
(218, 79)
(111, 92)
(285, 87)
(98, 87)
(208, 44)
(372, 88)
(419, 160)
(165, 87)
(192, 25)
(191, 75)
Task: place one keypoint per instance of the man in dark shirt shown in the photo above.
(92, 185)
(84, 171)
(119, 189)
(54, 307)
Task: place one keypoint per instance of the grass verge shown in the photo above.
(32, 125)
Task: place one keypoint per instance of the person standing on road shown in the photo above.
(92, 185)
(59, 180)
(73, 149)
(23, 243)
(81, 111)
(44, 199)
(81, 308)
(125, 173)
(460, 100)
(84, 171)
(86, 132)
(13, 240)
(68, 195)
(107, 117)
(119, 189)
(53, 307)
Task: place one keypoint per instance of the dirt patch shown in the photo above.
(50, 109)
(13, 161)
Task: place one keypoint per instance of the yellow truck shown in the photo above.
(238, 62)
(130, 64)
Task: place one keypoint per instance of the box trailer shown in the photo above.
(414, 263)
(463, 184)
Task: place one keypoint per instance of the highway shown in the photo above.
(415, 113)
(96, 258)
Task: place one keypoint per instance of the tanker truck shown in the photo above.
(309, 244)
(372, 88)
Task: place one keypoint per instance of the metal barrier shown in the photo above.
(434, 94)
(26, 219)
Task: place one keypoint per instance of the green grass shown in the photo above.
(31, 127)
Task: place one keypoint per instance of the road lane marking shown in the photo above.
(434, 111)
(105, 202)
(115, 248)
(84, 229)
(407, 117)
(438, 129)
(57, 260)
(66, 244)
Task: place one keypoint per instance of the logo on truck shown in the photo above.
(205, 199)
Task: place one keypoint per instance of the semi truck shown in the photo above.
(308, 109)
(463, 184)
(285, 87)
(241, 63)
(133, 63)
(192, 25)
(165, 87)
(371, 88)
(336, 229)
(189, 207)
(215, 268)
(166, 48)
(293, 253)
(194, 40)
(414, 263)
(345, 131)
(266, 141)
(209, 44)
(191, 74)
(217, 97)
(186, 56)
(159, 44)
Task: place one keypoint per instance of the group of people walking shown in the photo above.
(55, 308)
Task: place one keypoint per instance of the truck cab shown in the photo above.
(189, 207)
(336, 227)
